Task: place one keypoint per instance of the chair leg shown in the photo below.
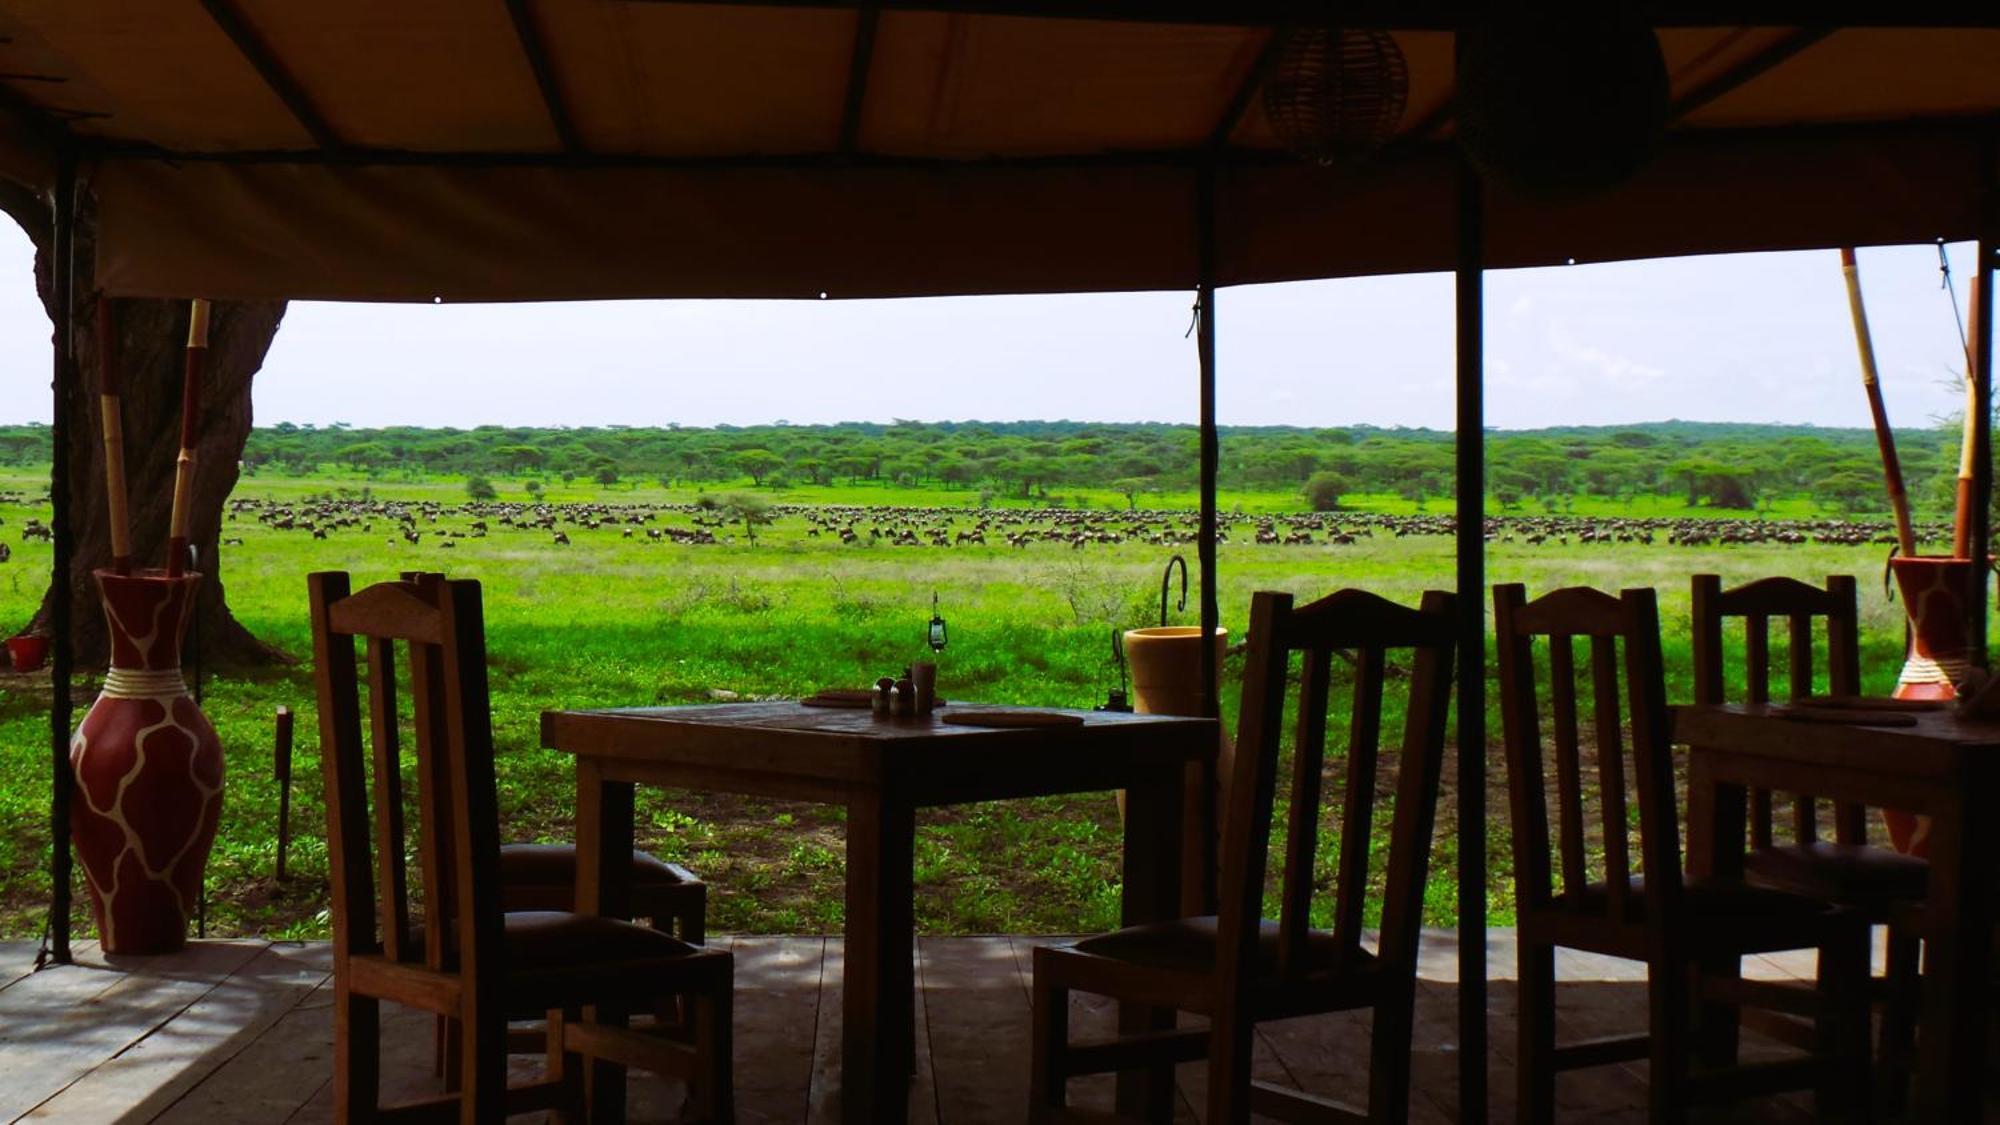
(1717, 1027)
(357, 1056)
(451, 1054)
(565, 1068)
(1229, 1041)
(482, 1058)
(1899, 1016)
(1049, 1042)
(1842, 1027)
(1537, 1022)
(1389, 1065)
(694, 920)
(1155, 1093)
(1669, 1028)
(714, 1021)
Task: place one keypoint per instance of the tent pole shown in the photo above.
(1982, 425)
(1471, 513)
(63, 281)
(1211, 614)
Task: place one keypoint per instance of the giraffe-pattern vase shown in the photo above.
(1934, 594)
(148, 772)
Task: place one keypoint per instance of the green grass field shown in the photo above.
(614, 621)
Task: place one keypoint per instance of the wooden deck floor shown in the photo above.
(239, 1031)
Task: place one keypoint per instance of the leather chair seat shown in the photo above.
(540, 939)
(1718, 902)
(540, 865)
(1852, 873)
(1189, 945)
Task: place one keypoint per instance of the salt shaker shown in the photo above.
(884, 688)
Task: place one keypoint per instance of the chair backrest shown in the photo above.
(1798, 604)
(438, 626)
(1629, 621)
(1368, 627)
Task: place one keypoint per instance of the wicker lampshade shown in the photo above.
(1336, 95)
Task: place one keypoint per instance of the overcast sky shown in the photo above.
(1756, 338)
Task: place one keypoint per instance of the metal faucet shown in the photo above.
(1166, 580)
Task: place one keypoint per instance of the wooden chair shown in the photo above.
(543, 876)
(1238, 969)
(1655, 916)
(1881, 884)
(441, 943)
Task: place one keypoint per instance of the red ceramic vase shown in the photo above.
(1934, 594)
(148, 772)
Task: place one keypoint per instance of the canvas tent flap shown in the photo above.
(380, 150)
(393, 233)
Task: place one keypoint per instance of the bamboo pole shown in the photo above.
(1885, 439)
(108, 399)
(197, 350)
(1961, 524)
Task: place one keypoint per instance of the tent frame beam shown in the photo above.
(1976, 128)
(272, 70)
(1246, 93)
(858, 65)
(1414, 15)
(1748, 70)
(535, 50)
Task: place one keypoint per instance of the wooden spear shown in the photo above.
(197, 349)
(1885, 440)
(1961, 524)
(108, 390)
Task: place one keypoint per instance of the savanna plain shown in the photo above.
(618, 619)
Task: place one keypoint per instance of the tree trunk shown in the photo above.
(150, 339)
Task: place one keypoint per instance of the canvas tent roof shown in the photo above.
(472, 149)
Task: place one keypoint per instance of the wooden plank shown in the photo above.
(17, 959)
(778, 1005)
(978, 1029)
(284, 1069)
(823, 1097)
(62, 1022)
(153, 1073)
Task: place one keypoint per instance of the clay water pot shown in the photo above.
(1166, 668)
(148, 772)
(1935, 593)
(1166, 680)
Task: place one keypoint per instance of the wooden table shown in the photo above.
(1943, 767)
(882, 770)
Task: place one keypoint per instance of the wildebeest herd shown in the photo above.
(428, 523)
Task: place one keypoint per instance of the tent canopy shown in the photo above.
(554, 149)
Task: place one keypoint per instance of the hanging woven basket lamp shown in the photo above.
(1336, 95)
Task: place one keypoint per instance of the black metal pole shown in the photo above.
(1982, 425)
(1211, 612)
(1471, 446)
(62, 270)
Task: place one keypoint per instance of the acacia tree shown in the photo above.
(149, 340)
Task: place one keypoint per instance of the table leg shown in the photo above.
(1716, 824)
(1152, 893)
(603, 886)
(1958, 930)
(878, 996)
